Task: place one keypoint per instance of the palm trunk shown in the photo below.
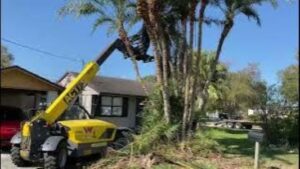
(143, 12)
(187, 75)
(125, 40)
(181, 56)
(185, 57)
(196, 72)
(148, 12)
(165, 59)
(174, 77)
(226, 29)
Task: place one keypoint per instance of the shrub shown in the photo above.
(154, 129)
(283, 130)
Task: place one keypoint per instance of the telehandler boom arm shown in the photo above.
(71, 92)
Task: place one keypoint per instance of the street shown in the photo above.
(212, 125)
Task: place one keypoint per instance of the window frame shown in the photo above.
(98, 106)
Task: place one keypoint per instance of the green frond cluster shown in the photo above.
(6, 57)
(111, 13)
(154, 130)
(232, 8)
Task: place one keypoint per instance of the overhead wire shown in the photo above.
(42, 51)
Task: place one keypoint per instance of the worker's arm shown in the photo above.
(71, 92)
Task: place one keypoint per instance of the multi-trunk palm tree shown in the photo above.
(151, 13)
(170, 26)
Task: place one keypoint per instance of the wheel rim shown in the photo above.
(62, 157)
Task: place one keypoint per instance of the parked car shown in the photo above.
(11, 117)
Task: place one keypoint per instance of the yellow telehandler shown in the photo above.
(49, 139)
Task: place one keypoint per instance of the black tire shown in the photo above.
(248, 127)
(16, 157)
(56, 159)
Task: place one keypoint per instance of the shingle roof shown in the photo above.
(58, 87)
(103, 84)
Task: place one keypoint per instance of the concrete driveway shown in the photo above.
(6, 162)
(81, 163)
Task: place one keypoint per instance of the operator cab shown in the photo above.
(75, 112)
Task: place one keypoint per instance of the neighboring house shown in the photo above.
(111, 99)
(24, 89)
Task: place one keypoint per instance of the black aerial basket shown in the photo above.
(140, 43)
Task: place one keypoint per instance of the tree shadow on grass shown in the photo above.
(243, 146)
(274, 155)
(236, 146)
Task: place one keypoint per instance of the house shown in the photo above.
(111, 99)
(24, 89)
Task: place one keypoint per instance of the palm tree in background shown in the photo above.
(231, 9)
(6, 57)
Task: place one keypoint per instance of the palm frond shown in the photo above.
(171, 130)
(251, 13)
(102, 20)
(209, 21)
(78, 8)
(111, 12)
(245, 7)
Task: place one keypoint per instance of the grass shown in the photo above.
(210, 149)
(237, 147)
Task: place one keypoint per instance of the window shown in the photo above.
(110, 106)
(75, 112)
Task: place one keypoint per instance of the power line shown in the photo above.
(41, 51)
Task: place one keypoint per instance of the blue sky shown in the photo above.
(36, 23)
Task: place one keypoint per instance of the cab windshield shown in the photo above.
(75, 112)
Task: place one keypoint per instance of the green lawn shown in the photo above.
(211, 149)
(237, 148)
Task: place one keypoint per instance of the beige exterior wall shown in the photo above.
(86, 98)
